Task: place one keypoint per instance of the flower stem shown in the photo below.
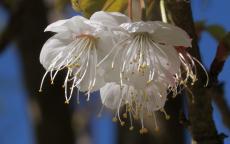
(130, 14)
(163, 11)
(143, 10)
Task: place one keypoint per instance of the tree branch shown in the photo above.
(223, 52)
(5, 38)
(200, 113)
(26, 25)
(218, 96)
(13, 25)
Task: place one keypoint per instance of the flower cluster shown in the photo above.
(135, 65)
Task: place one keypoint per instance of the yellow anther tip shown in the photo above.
(114, 119)
(167, 117)
(125, 115)
(157, 129)
(122, 123)
(131, 128)
(143, 130)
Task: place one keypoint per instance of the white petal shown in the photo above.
(112, 75)
(53, 47)
(111, 95)
(157, 93)
(57, 26)
(109, 18)
(105, 43)
(172, 62)
(141, 26)
(137, 79)
(76, 24)
(84, 86)
(171, 35)
(87, 84)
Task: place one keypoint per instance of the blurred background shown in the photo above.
(29, 117)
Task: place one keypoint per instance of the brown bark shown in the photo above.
(27, 23)
(202, 126)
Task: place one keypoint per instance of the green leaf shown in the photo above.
(88, 7)
(60, 5)
(115, 5)
(223, 52)
(217, 31)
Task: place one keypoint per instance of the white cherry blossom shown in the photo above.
(137, 103)
(146, 53)
(77, 46)
(134, 64)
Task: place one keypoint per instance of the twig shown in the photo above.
(223, 52)
(11, 29)
(163, 11)
(217, 93)
(202, 127)
(130, 5)
(143, 10)
(5, 38)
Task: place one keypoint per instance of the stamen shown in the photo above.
(155, 121)
(72, 88)
(114, 119)
(131, 121)
(78, 96)
(206, 73)
(167, 117)
(119, 44)
(191, 93)
(65, 86)
(43, 78)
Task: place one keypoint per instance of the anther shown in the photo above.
(125, 115)
(114, 119)
(157, 129)
(167, 117)
(122, 123)
(131, 128)
(149, 81)
(143, 131)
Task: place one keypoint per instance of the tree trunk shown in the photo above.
(55, 125)
(202, 126)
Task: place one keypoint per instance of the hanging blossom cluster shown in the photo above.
(135, 65)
